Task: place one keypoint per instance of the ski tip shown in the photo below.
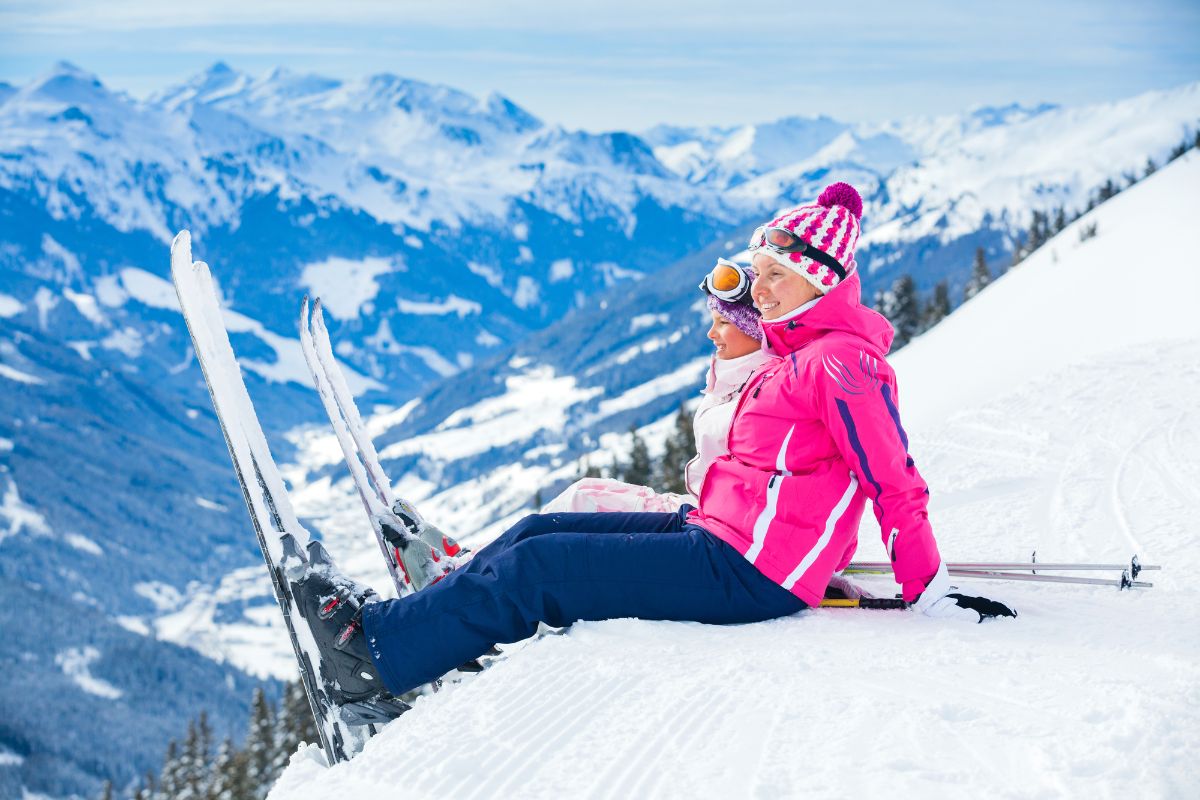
(181, 252)
(318, 314)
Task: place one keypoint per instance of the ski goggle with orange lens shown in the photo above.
(726, 281)
(781, 240)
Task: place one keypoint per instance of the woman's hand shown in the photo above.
(940, 599)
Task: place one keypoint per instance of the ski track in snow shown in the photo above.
(1091, 692)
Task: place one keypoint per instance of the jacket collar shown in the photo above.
(726, 375)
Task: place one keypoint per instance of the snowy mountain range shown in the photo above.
(508, 296)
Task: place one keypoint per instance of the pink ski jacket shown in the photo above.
(816, 435)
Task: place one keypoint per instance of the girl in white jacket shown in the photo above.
(736, 336)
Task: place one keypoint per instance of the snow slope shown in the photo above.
(1063, 422)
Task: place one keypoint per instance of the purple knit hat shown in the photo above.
(744, 316)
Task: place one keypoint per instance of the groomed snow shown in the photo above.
(1081, 445)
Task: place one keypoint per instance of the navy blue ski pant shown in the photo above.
(562, 568)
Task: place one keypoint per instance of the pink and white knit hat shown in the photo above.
(831, 226)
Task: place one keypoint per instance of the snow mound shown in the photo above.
(1059, 411)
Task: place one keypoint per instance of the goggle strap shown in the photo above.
(821, 257)
(811, 251)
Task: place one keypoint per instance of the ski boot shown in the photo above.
(332, 604)
(424, 553)
(430, 533)
(421, 564)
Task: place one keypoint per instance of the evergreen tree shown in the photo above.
(1039, 231)
(981, 276)
(1035, 233)
(170, 778)
(1018, 253)
(295, 725)
(1151, 168)
(107, 792)
(902, 308)
(536, 504)
(259, 748)
(1109, 190)
(228, 771)
(938, 307)
(205, 753)
(640, 469)
(1060, 219)
(148, 789)
(679, 449)
(1178, 150)
(192, 767)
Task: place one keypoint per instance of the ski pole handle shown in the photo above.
(879, 603)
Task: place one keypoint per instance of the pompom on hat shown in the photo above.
(831, 227)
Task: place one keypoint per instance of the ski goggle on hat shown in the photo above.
(726, 281)
(781, 240)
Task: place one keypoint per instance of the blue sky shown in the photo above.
(628, 65)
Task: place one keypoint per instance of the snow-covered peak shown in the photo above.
(727, 156)
(1001, 115)
(218, 81)
(501, 108)
(66, 85)
(1040, 161)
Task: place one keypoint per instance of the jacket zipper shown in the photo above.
(892, 544)
(742, 401)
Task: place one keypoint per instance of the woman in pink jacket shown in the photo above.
(815, 438)
(737, 343)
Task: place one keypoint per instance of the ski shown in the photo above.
(411, 563)
(287, 547)
(372, 478)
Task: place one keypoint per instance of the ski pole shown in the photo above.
(1124, 582)
(875, 603)
(873, 566)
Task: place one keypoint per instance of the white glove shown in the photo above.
(940, 599)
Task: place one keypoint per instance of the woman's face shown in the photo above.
(729, 341)
(776, 289)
